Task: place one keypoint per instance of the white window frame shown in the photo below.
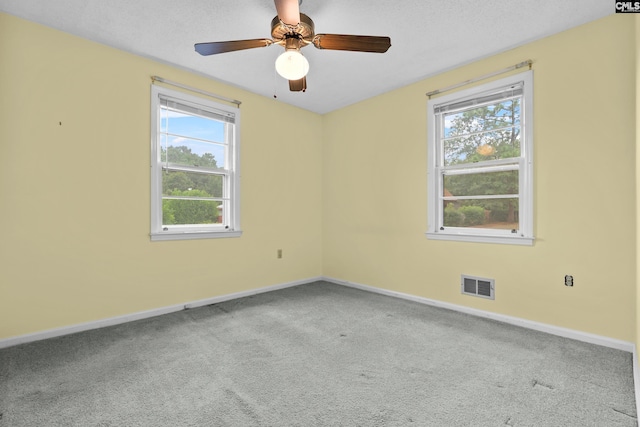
(524, 164)
(231, 189)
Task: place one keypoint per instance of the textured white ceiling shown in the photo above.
(427, 37)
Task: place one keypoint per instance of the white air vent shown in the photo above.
(478, 286)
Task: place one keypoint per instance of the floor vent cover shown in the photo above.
(478, 286)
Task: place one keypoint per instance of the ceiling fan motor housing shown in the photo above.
(305, 30)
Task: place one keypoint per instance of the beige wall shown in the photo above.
(75, 196)
(637, 180)
(346, 199)
(374, 164)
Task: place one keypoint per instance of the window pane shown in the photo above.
(190, 184)
(482, 133)
(486, 213)
(481, 184)
(189, 152)
(186, 212)
(190, 126)
(492, 116)
(482, 146)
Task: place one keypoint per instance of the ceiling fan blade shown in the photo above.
(298, 85)
(230, 46)
(352, 43)
(288, 11)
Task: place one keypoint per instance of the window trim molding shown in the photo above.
(526, 183)
(193, 235)
(190, 232)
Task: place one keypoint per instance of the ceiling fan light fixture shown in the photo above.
(292, 65)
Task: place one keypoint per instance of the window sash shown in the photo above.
(502, 165)
(442, 138)
(225, 199)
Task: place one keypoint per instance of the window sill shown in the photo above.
(506, 240)
(193, 235)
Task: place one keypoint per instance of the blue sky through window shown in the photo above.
(201, 135)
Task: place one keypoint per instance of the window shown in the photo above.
(480, 185)
(194, 167)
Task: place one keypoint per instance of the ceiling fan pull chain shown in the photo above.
(275, 84)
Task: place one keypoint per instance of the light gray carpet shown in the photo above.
(315, 355)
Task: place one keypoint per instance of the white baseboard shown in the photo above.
(66, 330)
(250, 292)
(636, 378)
(529, 324)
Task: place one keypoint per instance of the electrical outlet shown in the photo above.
(279, 253)
(568, 280)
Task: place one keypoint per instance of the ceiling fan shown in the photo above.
(294, 30)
